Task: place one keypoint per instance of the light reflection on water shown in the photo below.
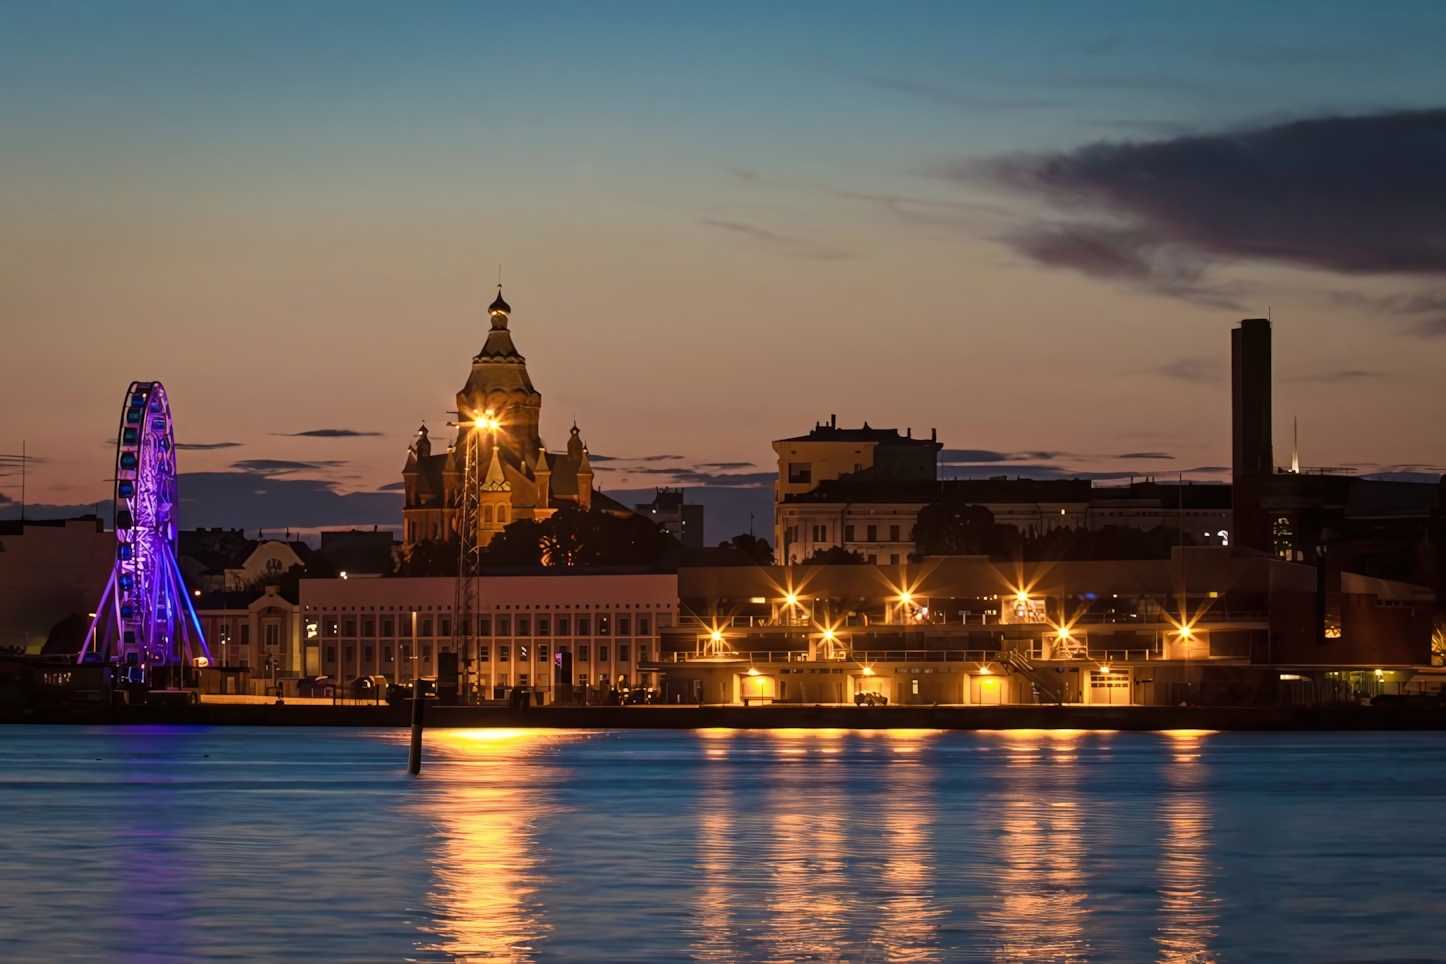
(724, 845)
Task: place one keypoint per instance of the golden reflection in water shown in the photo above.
(480, 789)
(715, 939)
(808, 909)
(1188, 908)
(909, 920)
(1039, 913)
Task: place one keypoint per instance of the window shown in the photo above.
(602, 654)
(622, 652)
(502, 514)
(245, 634)
(273, 634)
(484, 654)
(581, 679)
(582, 655)
(604, 624)
(820, 533)
(501, 679)
(642, 652)
(484, 625)
(446, 626)
(463, 625)
(349, 627)
(522, 678)
(369, 625)
(644, 626)
(405, 652)
(486, 513)
(368, 653)
(504, 653)
(848, 533)
(389, 626)
(331, 654)
(625, 625)
(426, 652)
(544, 625)
(524, 626)
(582, 626)
(504, 625)
(871, 533)
(893, 533)
(873, 559)
(386, 654)
(562, 622)
(522, 653)
(426, 625)
(350, 653)
(800, 473)
(893, 558)
(329, 627)
(542, 652)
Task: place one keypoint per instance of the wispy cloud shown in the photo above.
(725, 465)
(987, 456)
(779, 242)
(201, 446)
(1336, 377)
(955, 99)
(392, 487)
(270, 467)
(1145, 455)
(1191, 370)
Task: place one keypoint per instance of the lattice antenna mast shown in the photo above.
(469, 542)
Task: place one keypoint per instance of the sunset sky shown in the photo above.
(1030, 226)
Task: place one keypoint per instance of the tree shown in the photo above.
(969, 530)
(834, 556)
(573, 537)
(752, 546)
(430, 558)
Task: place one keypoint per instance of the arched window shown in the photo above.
(486, 513)
(502, 514)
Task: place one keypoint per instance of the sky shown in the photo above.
(1028, 226)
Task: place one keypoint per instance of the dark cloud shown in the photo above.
(392, 487)
(1145, 455)
(725, 465)
(328, 433)
(656, 458)
(269, 467)
(985, 456)
(600, 458)
(200, 446)
(1353, 195)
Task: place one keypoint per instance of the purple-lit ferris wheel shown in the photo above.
(145, 618)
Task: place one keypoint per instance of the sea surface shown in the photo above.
(184, 844)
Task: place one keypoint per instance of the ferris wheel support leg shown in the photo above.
(189, 620)
(106, 596)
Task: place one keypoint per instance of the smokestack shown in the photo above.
(1250, 398)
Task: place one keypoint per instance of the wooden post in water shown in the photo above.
(414, 758)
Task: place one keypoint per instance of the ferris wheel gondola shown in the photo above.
(145, 618)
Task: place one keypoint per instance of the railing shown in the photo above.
(1160, 617)
(870, 656)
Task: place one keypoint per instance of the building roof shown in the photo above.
(880, 436)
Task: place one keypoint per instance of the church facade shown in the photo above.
(521, 478)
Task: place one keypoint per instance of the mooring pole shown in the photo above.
(414, 758)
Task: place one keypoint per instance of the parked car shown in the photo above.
(870, 698)
(369, 688)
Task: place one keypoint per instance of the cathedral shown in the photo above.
(521, 478)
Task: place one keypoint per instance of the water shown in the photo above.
(165, 844)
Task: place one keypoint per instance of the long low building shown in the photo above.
(605, 625)
(1203, 627)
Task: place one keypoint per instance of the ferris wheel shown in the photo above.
(145, 618)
